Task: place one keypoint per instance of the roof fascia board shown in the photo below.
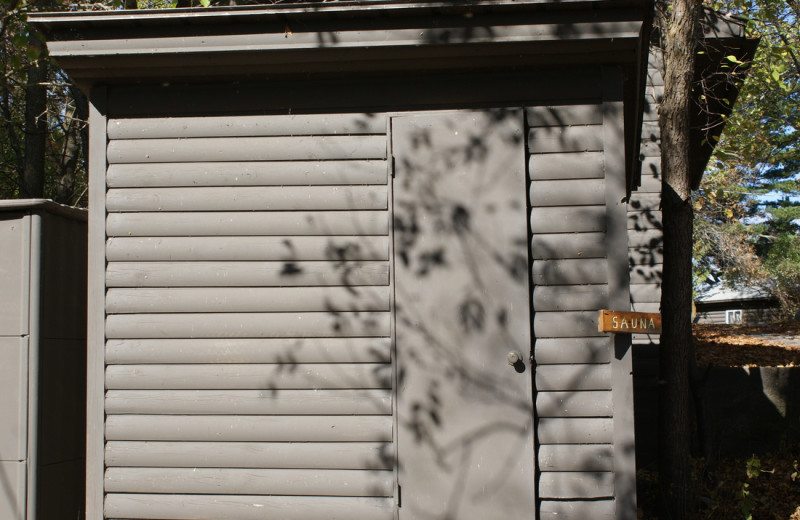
(151, 46)
(327, 9)
(449, 35)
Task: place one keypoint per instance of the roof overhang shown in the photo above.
(112, 47)
(718, 80)
(348, 39)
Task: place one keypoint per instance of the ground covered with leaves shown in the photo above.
(759, 487)
(771, 345)
(763, 487)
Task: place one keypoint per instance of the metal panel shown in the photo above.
(570, 297)
(291, 248)
(624, 476)
(280, 125)
(557, 246)
(649, 183)
(302, 148)
(33, 459)
(272, 173)
(250, 402)
(415, 91)
(570, 192)
(245, 274)
(64, 273)
(581, 457)
(271, 377)
(250, 428)
(12, 498)
(646, 292)
(652, 239)
(564, 115)
(651, 167)
(14, 273)
(550, 351)
(586, 165)
(569, 324)
(271, 40)
(586, 138)
(644, 220)
(465, 418)
(247, 198)
(648, 256)
(647, 274)
(573, 377)
(249, 325)
(568, 219)
(645, 202)
(13, 398)
(228, 325)
(249, 223)
(62, 379)
(213, 507)
(578, 271)
(583, 484)
(593, 430)
(246, 350)
(247, 299)
(573, 404)
(251, 481)
(95, 367)
(309, 455)
(646, 307)
(577, 510)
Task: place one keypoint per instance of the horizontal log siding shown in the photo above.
(245, 507)
(248, 318)
(645, 244)
(297, 455)
(570, 283)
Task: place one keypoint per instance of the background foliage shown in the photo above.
(747, 211)
(43, 116)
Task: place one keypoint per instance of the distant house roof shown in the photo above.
(720, 293)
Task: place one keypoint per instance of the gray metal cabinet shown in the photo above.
(42, 360)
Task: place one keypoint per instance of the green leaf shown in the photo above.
(33, 53)
(733, 59)
(205, 3)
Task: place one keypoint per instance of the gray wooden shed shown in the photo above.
(346, 258)
(42, 360)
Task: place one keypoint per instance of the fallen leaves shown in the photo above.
(728, 489)
(766, 486)
(748, 345)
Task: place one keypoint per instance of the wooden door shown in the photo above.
(464, 409)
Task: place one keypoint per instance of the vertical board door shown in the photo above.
(464, 410)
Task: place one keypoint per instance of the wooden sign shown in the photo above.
(629, 322)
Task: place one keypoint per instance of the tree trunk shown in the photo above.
(679, 32)
(32, 182)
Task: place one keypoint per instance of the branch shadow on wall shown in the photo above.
(442, 244)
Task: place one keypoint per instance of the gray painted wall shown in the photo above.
(232, 245)
(248, 308)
